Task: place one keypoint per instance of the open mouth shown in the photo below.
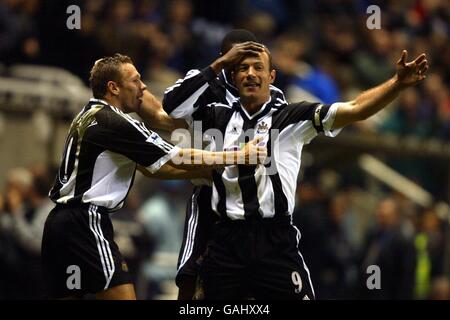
(252, 85)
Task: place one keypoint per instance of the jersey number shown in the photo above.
(297, 281)
(68, 160)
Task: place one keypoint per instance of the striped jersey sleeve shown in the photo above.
(307, 119)
(187, 94)
(125, 135)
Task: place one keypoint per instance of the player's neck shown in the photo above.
(113, 101)
(253, 105)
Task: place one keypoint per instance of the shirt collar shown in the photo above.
(99, 101)
(265, 108)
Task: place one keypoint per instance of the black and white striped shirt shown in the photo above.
(100, 156)
(239, 191)
(200, 88)
(203, 87)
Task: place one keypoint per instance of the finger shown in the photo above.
(262, 144)
(420, 58)
(423, 70)
(403, 58)
(251, 44)
(249, 52)
(423, 64)
(256, 140)
(252, 47)
(262, 156)
(257, 44)
(262, 149)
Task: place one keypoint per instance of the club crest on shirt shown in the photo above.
(262, 128)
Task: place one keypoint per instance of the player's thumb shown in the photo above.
(402, 60)
(256, 140)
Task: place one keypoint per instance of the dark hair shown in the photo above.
(236, 36)
(104, 70)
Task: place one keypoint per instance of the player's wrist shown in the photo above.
(397, 83)
(217, 65)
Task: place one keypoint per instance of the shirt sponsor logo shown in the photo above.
(155, 139)
(233, 130)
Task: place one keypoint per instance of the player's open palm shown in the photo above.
(411, 73)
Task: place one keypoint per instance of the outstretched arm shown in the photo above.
(373, 100)
(167, 172)
(189, 159)
(154, 116)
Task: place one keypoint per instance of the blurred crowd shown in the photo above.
(323, 51)
(345, 229)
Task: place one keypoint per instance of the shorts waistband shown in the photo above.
(278, 219)
(85, 206)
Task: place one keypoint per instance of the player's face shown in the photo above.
(252, 76)
(131, 88)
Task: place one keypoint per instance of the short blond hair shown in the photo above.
(104, 70)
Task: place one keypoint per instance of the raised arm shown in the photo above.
(153, 114)
(235, 54)
(181, 98)
(373, 100)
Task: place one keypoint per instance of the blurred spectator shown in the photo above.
(388, 247)
(262, 24)
(309, 217)
(430, 248)
(372, 64)
(336, 274)
(27, 207)
(410, 118)
(19, 41)
(275, 8)
(118, 33)
(163, 220)
(300, 80)
(136, 243)
(184, 44)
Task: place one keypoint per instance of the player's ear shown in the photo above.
(233, 77)
(273, 74)
(113, 88)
